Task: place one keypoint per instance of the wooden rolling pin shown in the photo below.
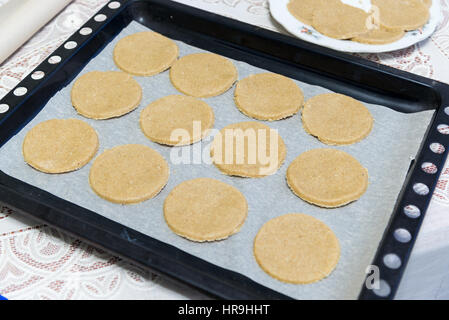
(20, 19)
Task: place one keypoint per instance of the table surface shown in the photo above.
(39, 262)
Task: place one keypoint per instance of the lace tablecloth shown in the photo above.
(39, 262)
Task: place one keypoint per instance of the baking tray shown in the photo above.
(364, 80)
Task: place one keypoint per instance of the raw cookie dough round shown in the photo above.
(404, 14)
(328, 178)
(129, 173)
(191, 116)
(60, 145)
(337, 20)
(235, 150)
(303, 10)
(104, 95)
(203, 75)
(205, 209)
(145, 53)
(296, 248)
(380, 35)
(336, 119)
(268, 96)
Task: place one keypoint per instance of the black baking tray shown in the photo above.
(340, 72)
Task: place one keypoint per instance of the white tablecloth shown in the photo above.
(38, 262)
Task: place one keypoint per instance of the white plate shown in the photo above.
(280, 13)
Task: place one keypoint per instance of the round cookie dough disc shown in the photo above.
(60, 145)
(235, 150)
(337, 20)
(104, 95)
(303, 10)
(145, 53)
(161, 118)
(296, 248)
(203, 75)
(328, 178)
(129, 173)
(268, 96)
(380, 36)
(404, 14)
(205, 209)
(336, 119)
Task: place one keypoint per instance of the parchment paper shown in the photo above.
(386, 153)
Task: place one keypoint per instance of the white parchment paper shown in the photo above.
(359, 226)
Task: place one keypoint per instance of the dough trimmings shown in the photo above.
(384, 23)
(296, 248)
(303, 10)
(205, 209)
(268, 96)
(60, 145)
(327, 178)
(248, 149)
(337, 20)
(336, 119)
(129, 173)
(104, 95)
(145, 53)
(176, 120)
(380, 35)
(405, 14)
(203, 75)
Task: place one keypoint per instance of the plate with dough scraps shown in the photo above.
(302, 19)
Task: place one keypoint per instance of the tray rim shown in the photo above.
(393, 276)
